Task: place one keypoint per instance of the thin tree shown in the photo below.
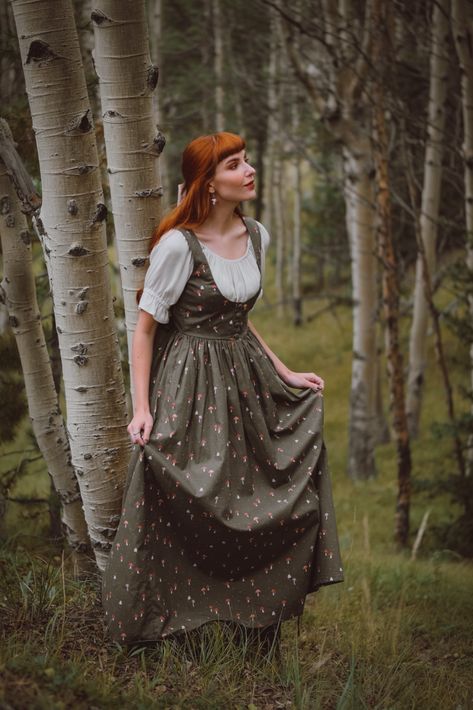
(462, 30)
(218, 64)
(390, 276)
(337, 42)
(430, 209)
(18, 293)
(72, 228)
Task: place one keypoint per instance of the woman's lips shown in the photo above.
(250, 185)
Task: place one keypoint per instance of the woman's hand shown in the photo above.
(303, 380)
(140, 427)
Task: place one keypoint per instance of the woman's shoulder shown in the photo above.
(172, 242)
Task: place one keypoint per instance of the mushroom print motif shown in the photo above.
(227, 510)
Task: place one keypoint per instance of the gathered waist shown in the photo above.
(237, 335)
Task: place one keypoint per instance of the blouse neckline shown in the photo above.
(225, 258)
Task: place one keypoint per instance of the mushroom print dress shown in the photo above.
(227, 511)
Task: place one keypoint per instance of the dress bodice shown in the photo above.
(215, 315)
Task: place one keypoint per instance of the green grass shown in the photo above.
(396, 634)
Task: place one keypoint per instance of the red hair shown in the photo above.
(199, 162)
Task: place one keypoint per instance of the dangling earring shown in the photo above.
(213, 199)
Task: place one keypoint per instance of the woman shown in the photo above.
(227, 512)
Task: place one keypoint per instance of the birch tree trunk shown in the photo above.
(429, 210)
(218, 64)
(462, 29)
(127, 80)
(155, 23)
(334, 76)
(271, 129)
(18, 292)
(296, 236)
(83, 10)
(72, 225)
(360, 222)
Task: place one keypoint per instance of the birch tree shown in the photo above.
(127, 81)
(218, 64)
(18, 293)
(462, 29)
(72, 228)
(296, 222)
(155, 24)
(337, 44)
(429, 210)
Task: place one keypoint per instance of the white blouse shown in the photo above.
(171, 264)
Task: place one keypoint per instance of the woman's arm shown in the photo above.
(293, 379)
(141, 356)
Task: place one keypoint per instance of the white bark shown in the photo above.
(155, 23)
(74, 240)
(335, 79)
(462, 29)
(19, 295)
(296, 235)
(360, 222)
(271, 131)
(218, 65)
(127, 80)
(429, 210)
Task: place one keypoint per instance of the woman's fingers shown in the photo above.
(147, 430)
(313, 378)
(139, 430)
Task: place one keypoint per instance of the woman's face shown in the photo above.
(234, 179)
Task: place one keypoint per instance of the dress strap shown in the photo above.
(194, 245)
(255, 236)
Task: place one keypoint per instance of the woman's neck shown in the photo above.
(222, 220)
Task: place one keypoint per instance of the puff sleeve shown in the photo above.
(170, 267)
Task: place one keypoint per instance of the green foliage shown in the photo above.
(14, 407)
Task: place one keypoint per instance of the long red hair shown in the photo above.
(199, 162)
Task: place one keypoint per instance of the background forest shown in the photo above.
(358, 117)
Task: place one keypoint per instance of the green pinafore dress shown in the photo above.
(227, 511)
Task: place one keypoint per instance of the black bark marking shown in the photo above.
(78, 250)
(72, 207)
(10, 220)
(25, 237)
(80, 124)
(80, 388)
(83, 293)
(139, 261)
(79, 169)
(159, 142)
(80, 348)
(5, 205)
(152, 192)
(81, 307)
(14, 322)
(100, 18)
(100, 214)
(40, 51)
(152, 77)
(112, 114)
(81, 360)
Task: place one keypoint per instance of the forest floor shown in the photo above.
(396, 634)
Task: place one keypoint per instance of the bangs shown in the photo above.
(227, 144)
